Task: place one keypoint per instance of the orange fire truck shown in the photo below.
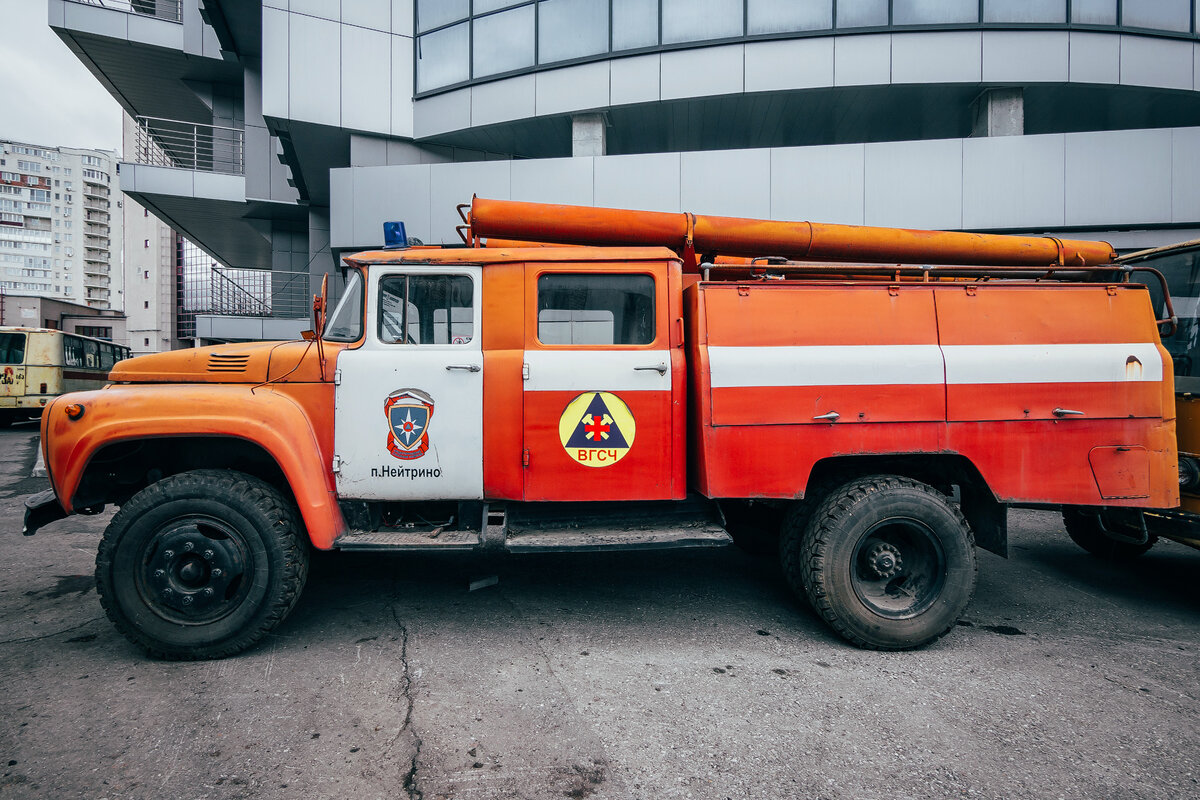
(590, 379)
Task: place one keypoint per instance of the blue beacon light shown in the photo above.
(394, 236)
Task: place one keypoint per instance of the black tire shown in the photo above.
(1085, 530)
(7, 418)
(201, 565)
(886, 561)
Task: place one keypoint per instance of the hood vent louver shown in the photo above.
(228, 362)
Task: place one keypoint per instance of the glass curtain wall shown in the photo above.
(464, 41)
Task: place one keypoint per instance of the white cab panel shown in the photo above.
(409, 417)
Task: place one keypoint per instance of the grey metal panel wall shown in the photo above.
(1079, 180)
(346, 65)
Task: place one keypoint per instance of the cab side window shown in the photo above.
(426, 309)
(585, 309)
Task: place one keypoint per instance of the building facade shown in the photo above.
(280, 134)
(60, 224)
(34, 311)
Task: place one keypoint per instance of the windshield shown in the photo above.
(345, 323)
(1182, 271)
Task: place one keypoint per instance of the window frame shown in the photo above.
(658, 276)
(374, 320)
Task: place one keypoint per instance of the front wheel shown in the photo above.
(201, 565)
(886, 561)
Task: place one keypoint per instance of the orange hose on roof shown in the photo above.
(801, 241)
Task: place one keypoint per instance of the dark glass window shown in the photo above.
(426, 309)
(1182, 271)
(595, 309)
(12, 348)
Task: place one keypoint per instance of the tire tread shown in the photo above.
(803, 552)
(207, 483)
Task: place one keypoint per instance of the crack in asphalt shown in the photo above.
(406, 686)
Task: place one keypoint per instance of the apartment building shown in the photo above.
(60, 224)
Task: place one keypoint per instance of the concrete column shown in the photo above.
(999, 112)
(588, 135)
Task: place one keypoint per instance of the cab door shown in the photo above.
(409, 402)
(598, 383)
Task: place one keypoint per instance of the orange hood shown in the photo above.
(253, 362)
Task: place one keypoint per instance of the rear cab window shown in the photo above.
(595, 309)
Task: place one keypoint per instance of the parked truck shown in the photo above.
(594, 379)
(1121, 534)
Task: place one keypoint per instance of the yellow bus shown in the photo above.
(38, 364)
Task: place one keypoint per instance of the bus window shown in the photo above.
(108, 356)
(12, 348)
(72, 352)
(91, 354)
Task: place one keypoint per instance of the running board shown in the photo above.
(540, 541)
(596, 539)
(421, 541)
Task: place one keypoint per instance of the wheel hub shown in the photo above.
(884, 560)
(194, 571)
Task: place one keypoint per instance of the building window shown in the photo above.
(635, 24)
(146, 274)
(145, 304)
(95, 331)
(503, 42)
(146, 342)
(147, 244)
(571, 29)
(780, 16)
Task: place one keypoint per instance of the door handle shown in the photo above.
(467, 367)
(1063, 412)
(661, 369)
(832, 416)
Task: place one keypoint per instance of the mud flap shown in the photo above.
(988, 518)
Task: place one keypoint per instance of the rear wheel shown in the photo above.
(201, 565)
(886, 561)
(1088, 530)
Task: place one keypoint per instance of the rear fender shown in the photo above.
(270, 420)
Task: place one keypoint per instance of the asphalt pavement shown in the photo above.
(635, 675)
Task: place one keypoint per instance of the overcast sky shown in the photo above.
(47, 96)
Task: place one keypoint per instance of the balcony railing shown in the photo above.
(228, 291)
(159, 9)
(189, 145)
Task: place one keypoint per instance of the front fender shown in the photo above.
(260, 415)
